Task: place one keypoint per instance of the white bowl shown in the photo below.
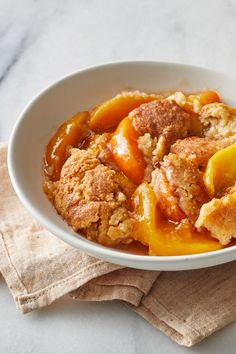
(82, 91)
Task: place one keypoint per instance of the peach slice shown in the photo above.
(221, 170)
(205, 97)
(67, 135)
(111, 112)
(126, 153)
(164, 238)
(144, 202)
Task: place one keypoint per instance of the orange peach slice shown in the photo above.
(126, 153)
(111, 112)
(164, 238)
(205, 97)
(67, 135)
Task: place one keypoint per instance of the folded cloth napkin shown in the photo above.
(39, 268)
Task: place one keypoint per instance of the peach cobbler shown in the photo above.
(156, 170)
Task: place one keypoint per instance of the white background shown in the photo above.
(41, 41)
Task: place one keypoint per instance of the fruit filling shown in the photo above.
(148, 172)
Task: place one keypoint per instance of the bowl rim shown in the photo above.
(92, 247)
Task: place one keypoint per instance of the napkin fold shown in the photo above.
(39, 268)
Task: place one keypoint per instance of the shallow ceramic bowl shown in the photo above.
(82, 91)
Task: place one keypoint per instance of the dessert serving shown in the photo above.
(147, 169)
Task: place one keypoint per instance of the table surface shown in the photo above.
(41, 41)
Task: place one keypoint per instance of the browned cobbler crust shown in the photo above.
(88, 196)
(219, 217)
(99, 147)
(161, 117)
(153, 150)
(218, 121)
(159, 123)
(184, 182)
(198, 150)
(167, 201)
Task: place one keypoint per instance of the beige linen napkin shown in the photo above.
(39, 268)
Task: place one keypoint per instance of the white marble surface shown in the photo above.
(41, 41)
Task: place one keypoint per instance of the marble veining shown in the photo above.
(14, 59)
(43, 40)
